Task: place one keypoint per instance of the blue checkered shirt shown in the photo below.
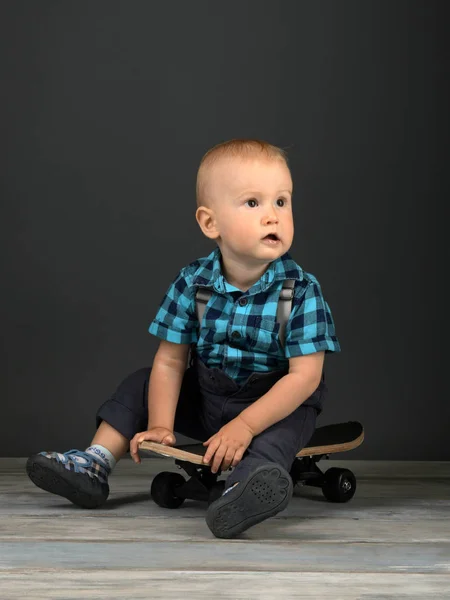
(239, 332)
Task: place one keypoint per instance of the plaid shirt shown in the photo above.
(238, 332)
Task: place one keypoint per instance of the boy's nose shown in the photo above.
(270, 218)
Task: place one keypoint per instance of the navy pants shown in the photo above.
(209, 399)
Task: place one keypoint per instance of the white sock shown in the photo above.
(103, 454)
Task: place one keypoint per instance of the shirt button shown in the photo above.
(235, 335)
(243, 301)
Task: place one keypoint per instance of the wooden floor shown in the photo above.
(391, 541)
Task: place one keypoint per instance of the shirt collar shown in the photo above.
(209, 274)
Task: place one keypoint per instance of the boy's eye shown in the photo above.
(254, 200)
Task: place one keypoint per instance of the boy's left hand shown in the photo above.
(228, 445)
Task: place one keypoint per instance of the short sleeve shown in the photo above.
(310, 327)
(175, 320)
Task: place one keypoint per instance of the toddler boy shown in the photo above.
(249, 395)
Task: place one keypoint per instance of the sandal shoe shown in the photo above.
(84, 484)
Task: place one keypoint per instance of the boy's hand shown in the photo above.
(155, 434)
(228, 445)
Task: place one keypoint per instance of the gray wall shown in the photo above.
(107, 108)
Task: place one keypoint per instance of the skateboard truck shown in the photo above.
(200, 482)
(170, 490)
(338, 485)
(305, 471)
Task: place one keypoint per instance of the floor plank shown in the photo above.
(213, 555)
(232, 585)
(41, 504)
(287, 530)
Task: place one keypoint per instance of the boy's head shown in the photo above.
(244, 193)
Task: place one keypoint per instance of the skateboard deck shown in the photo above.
(329, 439)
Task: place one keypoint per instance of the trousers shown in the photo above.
(209, 399)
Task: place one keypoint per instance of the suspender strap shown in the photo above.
(283, 309)
(202, 296)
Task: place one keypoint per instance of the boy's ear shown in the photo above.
(207, 222)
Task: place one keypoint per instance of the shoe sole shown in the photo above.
(62, 482)
(266, 493)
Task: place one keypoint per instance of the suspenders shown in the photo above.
(283, 309)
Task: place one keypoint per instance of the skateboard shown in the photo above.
(170, 490)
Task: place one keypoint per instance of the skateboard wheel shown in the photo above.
(163, 489)
(216, 491)
(339, 485)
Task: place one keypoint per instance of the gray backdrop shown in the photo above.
(107, 108)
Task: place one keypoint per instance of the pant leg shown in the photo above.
(127, 409)
(279, 443)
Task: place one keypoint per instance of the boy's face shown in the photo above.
(249, 199)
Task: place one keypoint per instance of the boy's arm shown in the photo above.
(287, 394)
(164, 386)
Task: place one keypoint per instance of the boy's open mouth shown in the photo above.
(271, 236)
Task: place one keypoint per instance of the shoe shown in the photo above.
(266, 492)
(75, 475)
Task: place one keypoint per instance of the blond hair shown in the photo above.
(238, 148)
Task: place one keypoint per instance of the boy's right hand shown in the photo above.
(155, 434)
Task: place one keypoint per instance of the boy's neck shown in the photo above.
(240, 276)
